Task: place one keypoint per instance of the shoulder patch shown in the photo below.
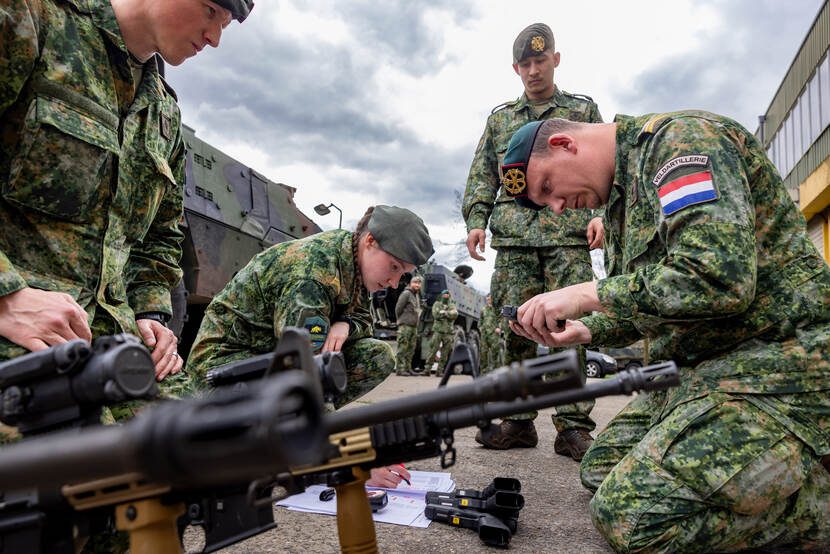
(676, 163)
(687, 190)
(318, 330)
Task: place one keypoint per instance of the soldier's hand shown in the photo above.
(476, 239)
(575, 332)
(595, 233)
(338, 333)
(37, 319)
(388, 477)
(538, 316)
(497, 330)
(164, 344)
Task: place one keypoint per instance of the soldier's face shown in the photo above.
(184, 27)
(537, 74)
(416, 285)
(380, 269)
(558, 179)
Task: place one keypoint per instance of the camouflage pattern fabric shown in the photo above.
(490, 342)
(91, 164)
(303, 283)
(733, 289)
(484, 197)
(442, 329)
(407, 339)
(521, 274)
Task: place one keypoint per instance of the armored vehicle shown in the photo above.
(231, 213)
(437, 277)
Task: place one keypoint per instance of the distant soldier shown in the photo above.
(537, 250)
(491, 329)
(710, 258)
(444, 314)
(92, 167)
(407, 312)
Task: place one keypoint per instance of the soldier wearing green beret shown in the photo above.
(709, 259)
(536, 251)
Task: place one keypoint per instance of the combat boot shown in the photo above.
(510, 434)
(573, 442)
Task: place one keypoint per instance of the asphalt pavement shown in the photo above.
(555, 517)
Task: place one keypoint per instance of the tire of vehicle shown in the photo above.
(593, 369)
(458, 336)
(633, 365)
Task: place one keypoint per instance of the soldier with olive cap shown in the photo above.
(319, 283)
(537, 251)
(92, 167)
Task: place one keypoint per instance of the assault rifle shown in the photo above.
(178, 449)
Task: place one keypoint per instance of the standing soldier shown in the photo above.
(537, 250)
(443, 317)
(407, 312)
(490, 338)
(92, 167)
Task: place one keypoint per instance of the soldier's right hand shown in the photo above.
(37, 319)
(476, 239)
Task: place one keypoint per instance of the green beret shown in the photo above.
(514, 167)
(401, 233)
(240, 9)
(532, 41)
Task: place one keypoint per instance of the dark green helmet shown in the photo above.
(240, 9)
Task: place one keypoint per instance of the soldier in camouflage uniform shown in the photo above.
(491, 328)
(710, 259)
(407, 312)
(91, 168)
(537, 251)
(444, 313)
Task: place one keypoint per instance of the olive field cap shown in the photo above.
(401, 233)
(532, 41)
(240, 9)
(514, 168)
(417, 279)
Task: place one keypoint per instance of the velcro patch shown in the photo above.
(685, 191)
(318, 330)
(678, 162)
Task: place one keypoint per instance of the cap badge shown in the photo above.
(514, 181)
(538, 43)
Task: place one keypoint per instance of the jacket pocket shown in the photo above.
(64, 161)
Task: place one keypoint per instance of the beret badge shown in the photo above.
(514, 181)
(537, 43)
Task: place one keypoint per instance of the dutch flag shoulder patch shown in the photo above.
(691, 188)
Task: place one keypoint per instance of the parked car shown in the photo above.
(630, 357)
(597, 364)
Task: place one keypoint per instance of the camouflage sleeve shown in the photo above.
(19, 48)
(608, 332)
(19, 20)
(153, 268)
(306, 304)
(482, 183)
(362, 319)
(707, 232)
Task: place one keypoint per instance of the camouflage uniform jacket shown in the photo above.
(408, 307)
(442, 323)
(484, 197)
(732, 289)
(490, 320)
(90, 165)
(302, 283)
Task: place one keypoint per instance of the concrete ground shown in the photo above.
(555, 517)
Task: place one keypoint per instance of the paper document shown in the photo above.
(405, 507)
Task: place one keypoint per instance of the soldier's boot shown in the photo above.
(573, 442)
(510, 434)
(402, 373)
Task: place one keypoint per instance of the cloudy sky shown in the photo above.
(362, 102)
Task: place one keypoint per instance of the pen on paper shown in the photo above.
(401, 476)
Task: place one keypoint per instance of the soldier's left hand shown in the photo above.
(595, 233)
(164, 343)
(338, 333)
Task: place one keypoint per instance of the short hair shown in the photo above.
(551, 127)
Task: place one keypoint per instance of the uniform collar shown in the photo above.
(104, 18)
(557, 100)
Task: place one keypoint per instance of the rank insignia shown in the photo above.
(318, 330)
(514, 181)
(166, 127)
(537, 43)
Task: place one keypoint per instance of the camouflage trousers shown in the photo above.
(713, 474)
(368, 363)
(441, 340)
(407, 340)
(522, 273)
(490, 352)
